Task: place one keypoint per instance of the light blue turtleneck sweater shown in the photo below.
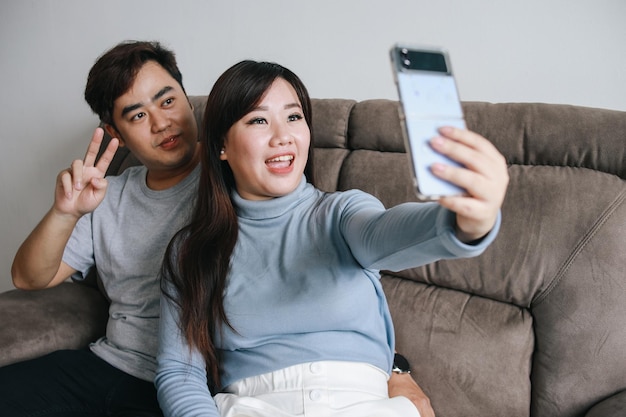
(305, 286)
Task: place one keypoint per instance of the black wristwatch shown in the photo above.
(400, 365)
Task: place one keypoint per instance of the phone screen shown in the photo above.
(429, 95)
(429, 100)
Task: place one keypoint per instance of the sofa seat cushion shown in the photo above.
(476, 350)
(613, 406)
(34, 323)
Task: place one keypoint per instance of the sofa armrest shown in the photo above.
(614, 406)
(33, 323)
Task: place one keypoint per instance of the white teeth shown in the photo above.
(282, 158)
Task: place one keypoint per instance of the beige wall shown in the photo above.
(550, 51)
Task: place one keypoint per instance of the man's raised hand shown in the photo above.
(81, 188)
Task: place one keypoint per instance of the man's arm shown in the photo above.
(79, 190)
(401, 383)
(37, 263)
(404, 385)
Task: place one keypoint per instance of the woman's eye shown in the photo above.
(256, 121)
(294, 117)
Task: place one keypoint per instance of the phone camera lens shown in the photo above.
(404, 55)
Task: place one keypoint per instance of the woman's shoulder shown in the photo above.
(349, 198)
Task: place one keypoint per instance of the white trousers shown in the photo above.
(316, 389)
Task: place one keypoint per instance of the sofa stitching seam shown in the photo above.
(587, 237)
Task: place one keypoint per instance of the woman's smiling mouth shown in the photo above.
(280, 163)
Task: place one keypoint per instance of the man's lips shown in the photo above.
(168, 142)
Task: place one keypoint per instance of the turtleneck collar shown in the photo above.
(275, 207)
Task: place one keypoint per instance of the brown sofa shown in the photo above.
(536, 326)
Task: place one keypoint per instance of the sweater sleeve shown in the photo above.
(405, 236)
(181, 379)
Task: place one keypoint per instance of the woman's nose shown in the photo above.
(281, 135)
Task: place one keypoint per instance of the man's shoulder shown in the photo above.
(130, 173)
(131, 180)
(134, 175)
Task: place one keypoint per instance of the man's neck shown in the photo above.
(163, 179)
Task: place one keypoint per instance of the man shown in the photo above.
(120, 225)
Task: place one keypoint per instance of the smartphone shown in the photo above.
(429, 100)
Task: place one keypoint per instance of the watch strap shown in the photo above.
(400, 365)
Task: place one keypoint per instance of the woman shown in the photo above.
(273, 290)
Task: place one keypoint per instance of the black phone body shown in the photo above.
(429, 100)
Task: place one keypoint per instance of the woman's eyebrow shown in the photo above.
(286, 106)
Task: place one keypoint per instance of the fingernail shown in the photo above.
(438, 167)
(437, 142)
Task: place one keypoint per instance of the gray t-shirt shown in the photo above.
(125, 239)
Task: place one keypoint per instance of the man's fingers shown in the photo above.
(107, 156)
(94, 147)
(99, 183)
(76, 171)
(66, 184)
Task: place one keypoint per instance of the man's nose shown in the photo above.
(160, 121)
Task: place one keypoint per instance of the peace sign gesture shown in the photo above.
(81, 188)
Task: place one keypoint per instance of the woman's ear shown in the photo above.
(113, 133)
(223, 156)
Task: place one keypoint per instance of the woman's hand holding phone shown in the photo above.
(483, 175)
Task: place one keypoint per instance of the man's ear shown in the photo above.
(113, 133)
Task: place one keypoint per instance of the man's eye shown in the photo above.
(138, 116)
(168, 101)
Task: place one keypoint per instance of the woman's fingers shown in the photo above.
(484, 175)
(483, 165)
